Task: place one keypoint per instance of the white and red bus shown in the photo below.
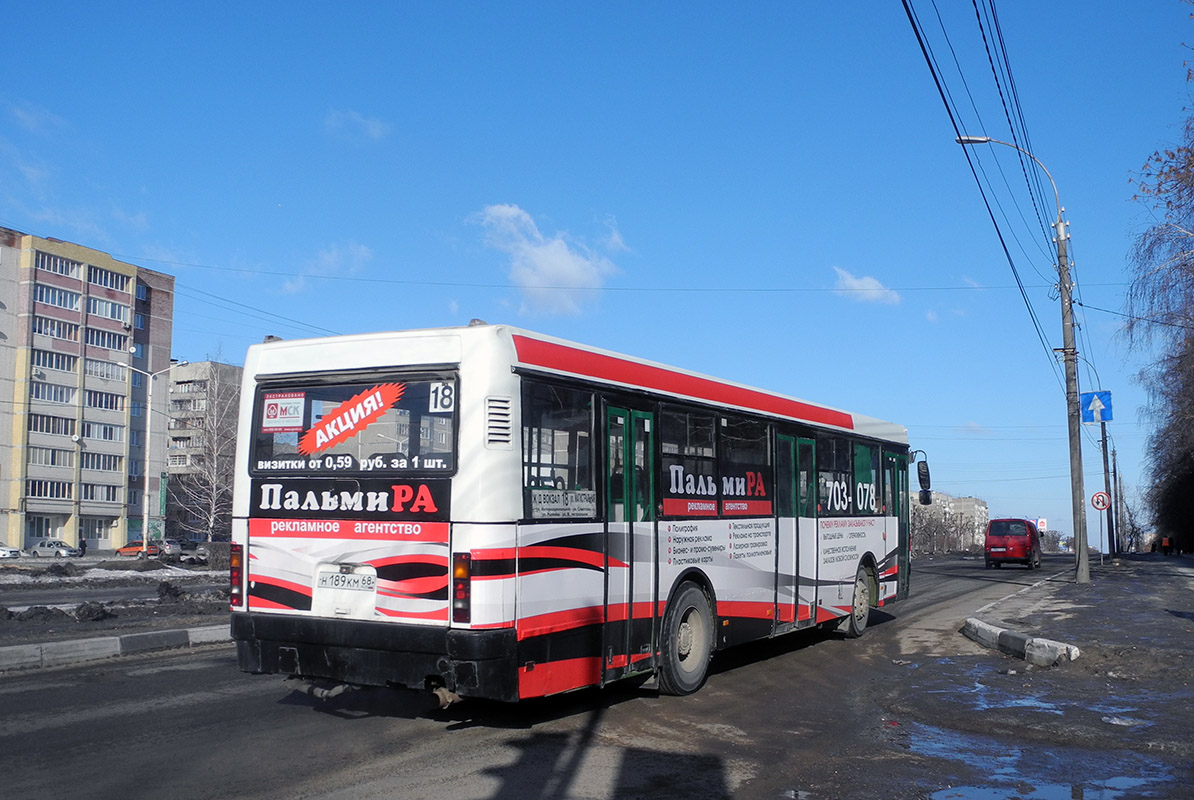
(491, 512)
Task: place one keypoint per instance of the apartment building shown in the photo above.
(201, 448)
(81, 334)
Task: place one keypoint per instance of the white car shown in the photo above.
(10, 552)
(170, 547)
(54, 547)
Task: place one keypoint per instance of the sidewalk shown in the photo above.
(1136, 614)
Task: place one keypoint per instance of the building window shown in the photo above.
(106, 339)
(44, 423)
(53, 296)
(96, 527)
(104, 369)
(50, 457)
(138, 350)
(101, 431)
(52, 392)
(177, 461)
(136, 467)
(98, 276)
(57, 264)
(53, 490)
(134, 438)
(139, 321)
(180, 444)
(56, 328)
(37, 527)
(100, 492)
(105, 400)
(103, 462)
(137, 408)
(106, 308)
(61, 362)
(142, 291)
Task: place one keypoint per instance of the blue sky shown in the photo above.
(770, 194)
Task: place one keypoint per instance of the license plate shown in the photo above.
(352, 580)
(998, 549)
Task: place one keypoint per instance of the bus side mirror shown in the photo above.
(922, 475)
(926, 497)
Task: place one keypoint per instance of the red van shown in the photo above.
(1015, 541)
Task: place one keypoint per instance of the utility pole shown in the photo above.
(1112, 544)
(1073, 409)
(1070, 354)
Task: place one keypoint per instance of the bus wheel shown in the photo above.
(860, 607)
(687, 643)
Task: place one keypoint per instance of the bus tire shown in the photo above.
(860, 605)
(687, 642)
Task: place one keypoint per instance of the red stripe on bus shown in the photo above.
(589, 557)
(413, 586)
(298, 588)
(745, 609)
(556, 621)
(554, 677)
(257, 602)
(572, 360)
(752, 508)
(439, 615)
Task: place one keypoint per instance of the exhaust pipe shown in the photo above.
(320, 692)
(445, 697)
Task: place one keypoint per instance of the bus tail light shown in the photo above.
(462, 587)
(236, 562)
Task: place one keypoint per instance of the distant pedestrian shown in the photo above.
(1165, 545)
(82, 545)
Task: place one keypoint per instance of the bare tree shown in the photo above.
(203, 424)
(1161, 315)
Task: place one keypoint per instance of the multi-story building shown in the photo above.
(204, 403)
(80, 335)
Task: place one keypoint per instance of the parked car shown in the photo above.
(194, 553)
(137, 550)
(10, 552)
(54, 547)
(1013, 541)
(170, 547)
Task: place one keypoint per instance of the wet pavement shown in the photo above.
(1115, 723)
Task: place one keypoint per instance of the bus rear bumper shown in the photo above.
(469, 663)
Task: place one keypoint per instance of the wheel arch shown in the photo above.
(871, 565)
(698, 577)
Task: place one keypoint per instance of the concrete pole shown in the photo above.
(1112, 544)
(1073, 409)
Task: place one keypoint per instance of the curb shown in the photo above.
(1035, 650)
(55, 654)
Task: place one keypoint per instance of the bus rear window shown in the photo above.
(381, 427)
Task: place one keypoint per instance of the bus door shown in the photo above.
(627, 645)
(806, 530)
(787, 572)
(895, 499)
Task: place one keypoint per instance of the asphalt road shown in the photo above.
(810, 716)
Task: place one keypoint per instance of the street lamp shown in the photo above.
(1070, 355)
(150, 377)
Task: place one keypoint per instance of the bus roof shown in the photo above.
(530, 351)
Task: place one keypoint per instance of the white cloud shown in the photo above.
(332, 261)
(552, 272)
(354, 124)
(931, 316)
(864, 290)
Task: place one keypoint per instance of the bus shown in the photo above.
(489, 512)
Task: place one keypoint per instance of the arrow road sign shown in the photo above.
(1101, 501)
(1096, 406)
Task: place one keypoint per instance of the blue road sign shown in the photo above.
(1096, 406)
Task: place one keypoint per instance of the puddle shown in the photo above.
(1032, 773)
(985, 696)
